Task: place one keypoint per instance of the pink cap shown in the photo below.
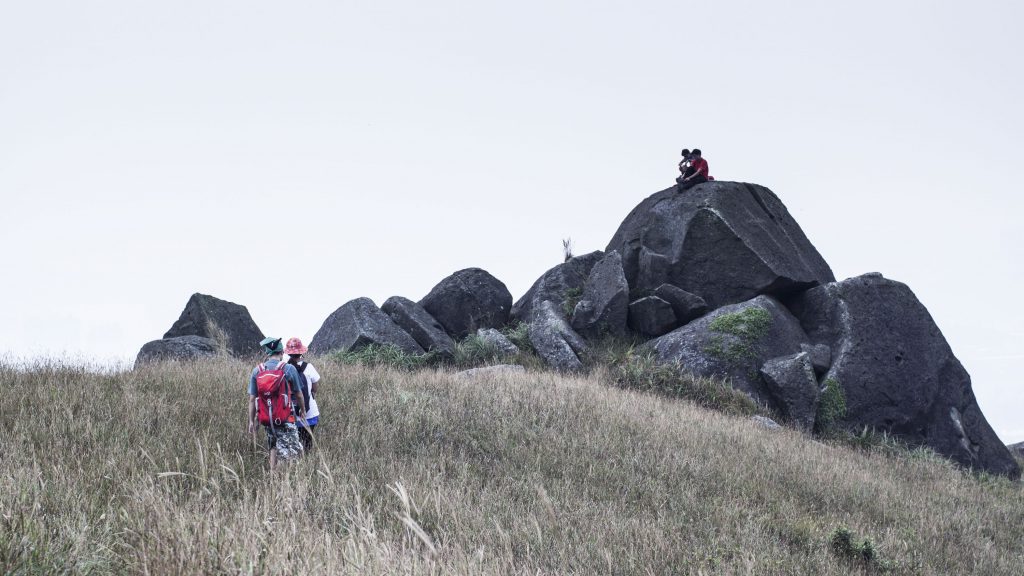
(294, 346)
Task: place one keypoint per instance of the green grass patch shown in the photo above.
(831, 407)
(737, 333)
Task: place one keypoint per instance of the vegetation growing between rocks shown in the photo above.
(572, 297)
(831, 407)
(421, 473)
(737, 334)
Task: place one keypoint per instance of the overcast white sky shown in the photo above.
(151, 150)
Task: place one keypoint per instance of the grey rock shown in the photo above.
(605, 305)
(467, 300)
(734, 342)
(561, 285)
(554, 340)
(651, 316)
(687, 306)
(204, 315)
(424, 329)
(897, 371)
(1017, 450)
(820, 356)
(499, 341)
(723, 241)
(791, 382)
(177, 348)
(489, 371)
(766, 422)
(358, 324)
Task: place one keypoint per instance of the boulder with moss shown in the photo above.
(734, 342)
(897, 372)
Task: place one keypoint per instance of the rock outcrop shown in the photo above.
(498, 341)
(423, 328)
(205, 316)
(562, 285)
(554, 340)
(686, 306)
(1017, 450)
(897, 372)
(723, 241)
(177, 348)
(604, 308)
(791, 382)
(734, 342)
(651, 316)
(467, 300)
(357, 324)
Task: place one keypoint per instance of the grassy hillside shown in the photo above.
(151, 472)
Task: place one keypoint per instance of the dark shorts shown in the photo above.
(306, 436)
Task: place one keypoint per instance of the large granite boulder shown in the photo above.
(897, 372)
(604, 308)
(210, 317)
(562, 285)
(734, 342)
(177, 348)
(1017, 450)
(423, 328)
(467, 300)
(554, 340)
(791, 382)
(651, 316)
(723, 241)
(358, 324)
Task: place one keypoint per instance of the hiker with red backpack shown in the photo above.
(295, 349)
(276, 391)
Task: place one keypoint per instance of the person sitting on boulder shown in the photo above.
(697, 173)
(684, 165)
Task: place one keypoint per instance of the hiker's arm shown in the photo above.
(252, 414)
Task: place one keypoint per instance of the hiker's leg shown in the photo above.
(305, 437)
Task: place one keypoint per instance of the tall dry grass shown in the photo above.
(151, 472)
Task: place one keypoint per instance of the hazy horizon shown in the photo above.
(148, 152)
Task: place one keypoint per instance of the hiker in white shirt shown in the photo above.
(295, 349)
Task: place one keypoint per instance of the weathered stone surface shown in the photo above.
(357, 324)
(734, 342)
(562, 285)
(177, 348)
(233, 320)
(794, 389)
(723, 241)
(467, 300)
(686, 306)
(1017, 450)
(554, 340)
(499, 341)
(765, 422)
(820, 356)
(423, 328)
(490, 371)
(651, 316)
(897, 371)
(605, 305)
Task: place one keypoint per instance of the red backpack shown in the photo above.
(273, 395)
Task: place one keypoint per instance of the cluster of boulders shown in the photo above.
(719, 281)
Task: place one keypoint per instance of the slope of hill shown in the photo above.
(150, 471)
